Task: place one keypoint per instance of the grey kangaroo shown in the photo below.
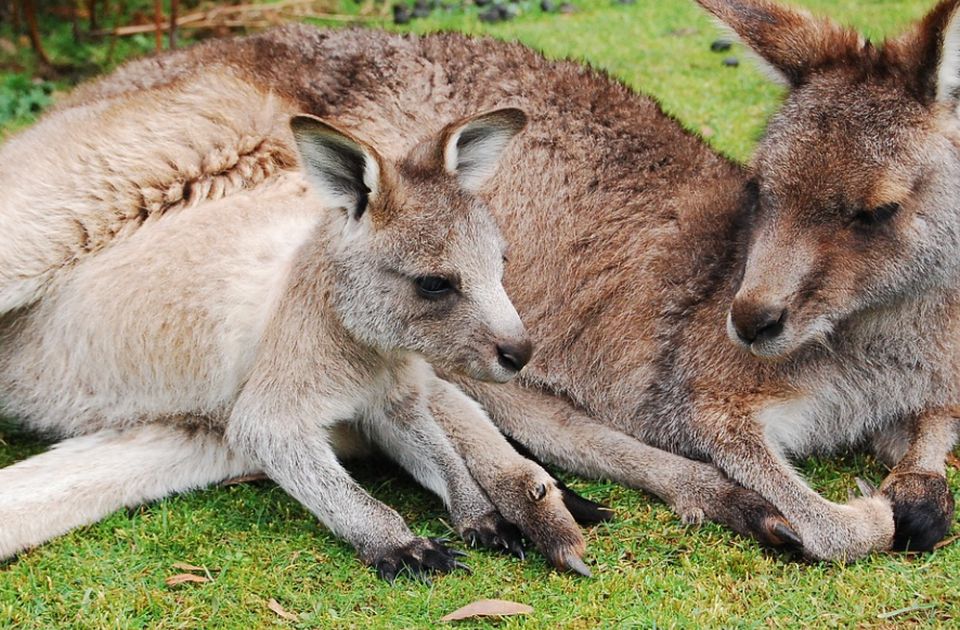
(223, 312)
(699, 323)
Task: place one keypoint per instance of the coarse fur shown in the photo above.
(199, 308)
(698, 323)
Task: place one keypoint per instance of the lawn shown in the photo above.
(649, 570)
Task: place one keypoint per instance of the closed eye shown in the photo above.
(433, 287)
(876, 216)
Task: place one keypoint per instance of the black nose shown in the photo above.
(757, 322)
(514, 355)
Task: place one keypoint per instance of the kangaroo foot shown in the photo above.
(493, 531)
(419, 558)
(923, 509)
(535, 503)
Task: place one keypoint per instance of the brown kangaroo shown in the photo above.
(698, 323)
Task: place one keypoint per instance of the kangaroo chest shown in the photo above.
(844, 401)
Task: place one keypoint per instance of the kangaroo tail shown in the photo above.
(83, 479)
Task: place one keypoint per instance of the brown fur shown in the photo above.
(631, 242)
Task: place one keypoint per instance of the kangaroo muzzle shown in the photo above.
(513, 355)
(755, 321)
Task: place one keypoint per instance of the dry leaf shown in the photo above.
(953, 460)
(183, 566)
(488, 608)
(275, 606)
(180, 578)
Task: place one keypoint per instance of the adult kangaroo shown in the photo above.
(698, 322)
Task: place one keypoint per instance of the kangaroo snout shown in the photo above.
(757, 322)
(513, 355)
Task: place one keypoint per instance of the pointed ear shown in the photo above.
(343, 171)
(472, 147)
(791, 43)
(932, 53)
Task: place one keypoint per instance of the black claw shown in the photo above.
(387, 572)
(866, 488)
(577, 565)
(584, 511)
(787, 535)
(418, 558)
(462, 567)
(459, 554)
(495, 532)
(539, 492)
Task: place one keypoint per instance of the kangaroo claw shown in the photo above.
(577, 565)
(783, 531)
(492, 531)
(416, 558)
(866, 488)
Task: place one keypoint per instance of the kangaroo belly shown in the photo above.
(165, 323)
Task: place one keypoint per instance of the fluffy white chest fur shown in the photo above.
(167, 322)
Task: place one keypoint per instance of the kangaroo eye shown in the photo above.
(878, 215)
(432, 287)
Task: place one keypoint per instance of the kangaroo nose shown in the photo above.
(513, 356)
(757, 322)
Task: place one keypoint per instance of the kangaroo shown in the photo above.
(219, 312)
(698, 322)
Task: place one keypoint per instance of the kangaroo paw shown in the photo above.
(923, 509)
(748, 514)
(535, 503)
(419, 558)
(495, 532)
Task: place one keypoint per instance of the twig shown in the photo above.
(174, 9)
(902, 611)
(33, 31)
(75, 20)
(158, 24)
(947, 541)
(333, 17)
(92, 9)
(224, 16)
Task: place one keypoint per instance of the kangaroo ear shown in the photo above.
(472, 147)
(343, 171)
(933, 53)
(791, 43)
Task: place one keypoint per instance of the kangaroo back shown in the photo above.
(139, 157)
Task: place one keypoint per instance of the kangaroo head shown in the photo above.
(418, 259)
(857, 176)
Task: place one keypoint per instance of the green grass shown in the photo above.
(649, 570)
